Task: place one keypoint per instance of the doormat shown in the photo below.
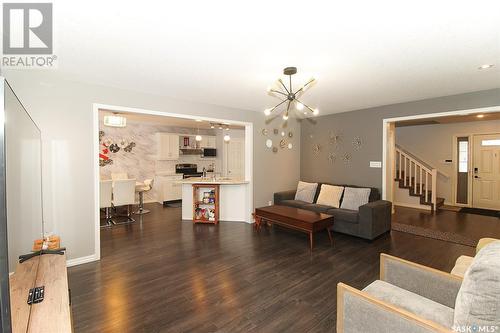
(173, 204)
(479, 211)
(435, 234)
(450, 208)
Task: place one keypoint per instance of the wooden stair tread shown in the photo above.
(414, 190)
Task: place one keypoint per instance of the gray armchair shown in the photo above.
(408, 298)
(412, 298)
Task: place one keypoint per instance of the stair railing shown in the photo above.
(416, 175)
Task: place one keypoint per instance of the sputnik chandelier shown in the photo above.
(290, 96)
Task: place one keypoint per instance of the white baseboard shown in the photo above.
(81, 260)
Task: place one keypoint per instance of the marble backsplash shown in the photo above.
(141, 163)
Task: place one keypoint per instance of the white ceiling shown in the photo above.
(364, 53)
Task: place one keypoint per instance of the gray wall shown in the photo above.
(367, 124)
(63, 110)
(434, 143)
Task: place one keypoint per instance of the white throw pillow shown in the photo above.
(306, 191)
(330, 195)
(355, 197)
(478, 300)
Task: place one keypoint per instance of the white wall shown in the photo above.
(434, 143)
(63, 110)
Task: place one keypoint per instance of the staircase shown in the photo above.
(418, 177)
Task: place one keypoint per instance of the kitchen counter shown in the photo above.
(233, 198)
(220, 181)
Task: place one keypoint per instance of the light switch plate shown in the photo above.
(375, 164)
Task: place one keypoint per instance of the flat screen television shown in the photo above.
(21, 212)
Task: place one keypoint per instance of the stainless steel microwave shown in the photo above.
(209, 152)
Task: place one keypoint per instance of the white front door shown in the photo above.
(486, 171)
(235, 158)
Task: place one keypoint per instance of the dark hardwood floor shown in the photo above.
(164, 275)
(470, 225)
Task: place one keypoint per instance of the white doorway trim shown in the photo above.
(123, 109)
(386, 137)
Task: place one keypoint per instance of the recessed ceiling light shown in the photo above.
(199, 120)
(485, 66)
(480, 116)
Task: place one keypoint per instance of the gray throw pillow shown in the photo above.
(306, 191)
(478, 300)
(355, 197)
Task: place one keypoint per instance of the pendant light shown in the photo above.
(198, 136)
(290, 97)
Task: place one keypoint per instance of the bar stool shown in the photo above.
(105, 195)
(148, 185)
(124, 195)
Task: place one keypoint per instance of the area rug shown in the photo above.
(435, 234)
(479, 211)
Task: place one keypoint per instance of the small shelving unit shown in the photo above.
(206, 203)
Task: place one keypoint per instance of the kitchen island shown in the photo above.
(233, 198)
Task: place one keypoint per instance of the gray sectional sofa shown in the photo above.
(372, 219)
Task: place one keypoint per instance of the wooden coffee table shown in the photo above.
(295, 218)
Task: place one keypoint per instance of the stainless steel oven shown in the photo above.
(188, 170)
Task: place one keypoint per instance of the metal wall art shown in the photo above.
(109, 145)
(129, 147)
(332, 157)
(290, 134)
(346, 158)
(317, 148)
(269, 143)
(276, 131)
(275, 149)
(265, 132)
(357, 143)
(282, 143)
(335, 138)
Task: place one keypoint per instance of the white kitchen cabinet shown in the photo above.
(168, 146)
(169, 188)
(208, 141)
